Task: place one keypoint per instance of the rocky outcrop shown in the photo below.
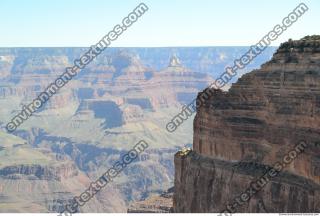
(261, 118)
(37, 188)
(154, 204)
(39, 172)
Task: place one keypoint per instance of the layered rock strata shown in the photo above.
(257, 122)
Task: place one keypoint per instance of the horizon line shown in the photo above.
(22, 47)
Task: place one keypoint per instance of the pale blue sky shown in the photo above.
(36, 23)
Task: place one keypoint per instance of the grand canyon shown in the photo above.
(125, 95)
(129, 94)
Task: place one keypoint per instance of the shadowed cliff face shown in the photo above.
(204, 184)
(261, 118)
(109, 111)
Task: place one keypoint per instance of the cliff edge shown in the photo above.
(269, 116)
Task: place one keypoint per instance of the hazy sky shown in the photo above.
(26, 23)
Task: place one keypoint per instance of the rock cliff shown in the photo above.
(261, 118)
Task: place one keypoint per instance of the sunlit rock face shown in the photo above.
(257, 122)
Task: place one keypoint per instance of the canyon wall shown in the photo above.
(262, 117)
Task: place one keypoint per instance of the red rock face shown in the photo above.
(259, 120)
